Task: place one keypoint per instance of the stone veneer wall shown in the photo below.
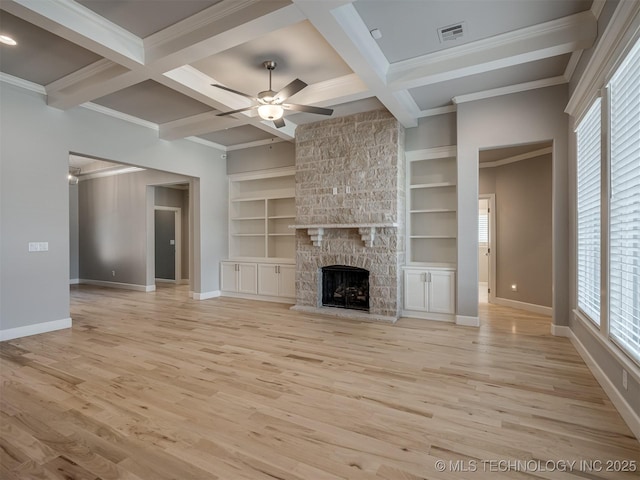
(365, 152)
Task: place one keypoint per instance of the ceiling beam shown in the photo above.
(341, 26)
(227, 24)
(80, 25)
(557, 37)
(196, 125)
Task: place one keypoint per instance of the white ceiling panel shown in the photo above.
(146, 17)
(237, 135)
(40, 56)
(153, 102)
(299, 51)
(440, 94)
(410, 27)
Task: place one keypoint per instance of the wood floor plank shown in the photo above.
(159, 386)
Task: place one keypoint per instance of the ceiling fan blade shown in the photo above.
(279, 123)
(291, 89)
(308, 109)
(233, 91)
(237, 111)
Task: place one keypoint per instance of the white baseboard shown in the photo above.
(165, 280)
(74, 281)
(529, 307)
(205, 295)
(467, 321)
(35, 329)
(126, 286)
(631, 418)
(438, 317)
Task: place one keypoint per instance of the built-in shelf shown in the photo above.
(432, 207)
(261, 206)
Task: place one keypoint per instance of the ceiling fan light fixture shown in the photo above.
(270, 112)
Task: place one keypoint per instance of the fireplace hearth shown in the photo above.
(345, 287)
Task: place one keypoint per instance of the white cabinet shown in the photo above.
(277, 280)
(239, 277)
(429, 293)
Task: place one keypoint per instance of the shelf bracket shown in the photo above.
(368, 234)
(316, 235)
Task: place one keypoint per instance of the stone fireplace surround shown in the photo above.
(350, 208)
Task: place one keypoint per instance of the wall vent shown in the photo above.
(452, 32)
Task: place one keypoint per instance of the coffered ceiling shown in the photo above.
(154, 61)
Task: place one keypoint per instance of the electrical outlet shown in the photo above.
(335, 190)
(348, 189)
(113, 273)
(624, 379)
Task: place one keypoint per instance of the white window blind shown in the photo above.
(624, 213)
(483, 228)
(588, 215)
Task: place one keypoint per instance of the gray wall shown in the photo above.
(522, 118)
(172, 197)
(35, 142)
(431, 132)
(280, 154)
(113, 218)
(74, 252)
(523, 228)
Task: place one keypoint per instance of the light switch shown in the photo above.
(38, 246)
(172, 242)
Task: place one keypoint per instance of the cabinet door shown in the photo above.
(287, 281)
(247, 278)
(268, 279)
(228, 277)
(415, 290)
(442, 291)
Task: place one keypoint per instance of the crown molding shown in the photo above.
(257, 143)
(432, 112)
(25, 84)
(536, 42)
(521, 87)
(621, 32)
(120, 116)
(517, 158)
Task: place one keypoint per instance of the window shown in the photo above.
(483, 228)
(588, 215)
(624, 207)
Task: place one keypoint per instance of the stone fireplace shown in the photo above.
(350, 209)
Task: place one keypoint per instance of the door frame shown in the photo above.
(493, 253)
(178, 238)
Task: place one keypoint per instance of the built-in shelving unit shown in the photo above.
(432, 207)
(261, 208)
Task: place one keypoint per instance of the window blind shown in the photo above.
(483, 228)
(624, 213)
(588, 214)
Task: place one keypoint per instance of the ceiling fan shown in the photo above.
(270, 104)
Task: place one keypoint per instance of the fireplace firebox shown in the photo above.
(345, 287)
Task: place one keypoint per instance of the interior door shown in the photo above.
(165, 233)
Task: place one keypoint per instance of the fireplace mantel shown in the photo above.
(367, 231)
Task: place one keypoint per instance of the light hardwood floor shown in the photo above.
(158, 386)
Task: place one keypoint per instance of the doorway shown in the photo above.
(168, 244)
(486, 248)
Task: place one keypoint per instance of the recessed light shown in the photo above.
(7, 40)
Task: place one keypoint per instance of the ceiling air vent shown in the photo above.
(452, 32)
